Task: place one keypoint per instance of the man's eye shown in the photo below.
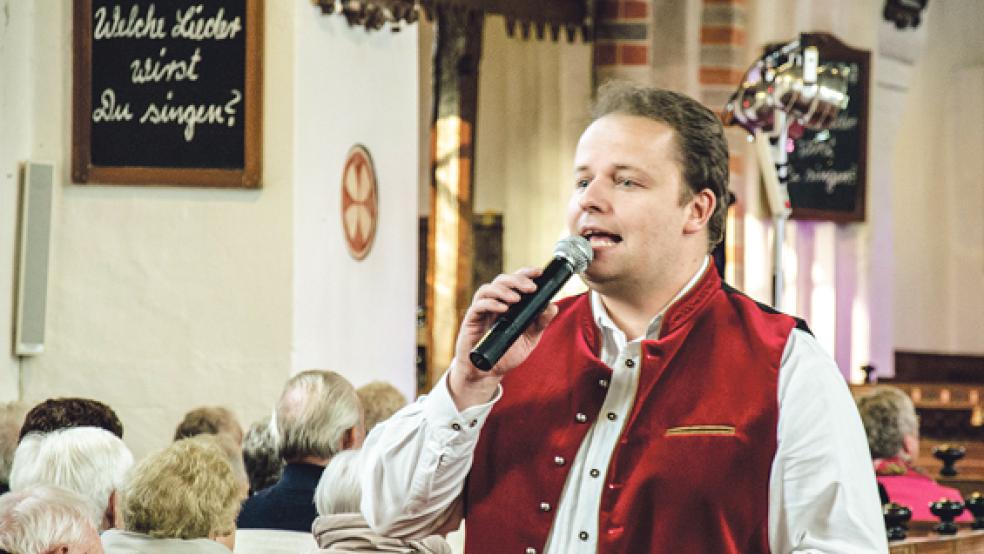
(582, 183)
(627, 183)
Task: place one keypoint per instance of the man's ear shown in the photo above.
(700, 208)
(353, 437)
(910, 447)
(112, 518)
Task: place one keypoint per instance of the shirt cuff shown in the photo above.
(439, 408)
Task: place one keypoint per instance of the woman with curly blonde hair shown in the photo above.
(184, 499)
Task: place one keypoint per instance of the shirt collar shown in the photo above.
(608, 327)
(301, 475)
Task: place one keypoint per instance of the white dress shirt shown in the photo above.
(822, 491)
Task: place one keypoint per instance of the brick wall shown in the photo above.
(622, 39)
(724, 57)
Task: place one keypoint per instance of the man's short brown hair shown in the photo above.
(209, 420)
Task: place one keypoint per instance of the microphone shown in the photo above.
(571, 255)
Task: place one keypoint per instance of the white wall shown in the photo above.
(939, 257)
(533, 103)
(163, 299)
(16, 50)
(357, 318)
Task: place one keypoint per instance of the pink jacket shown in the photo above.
(912, 488)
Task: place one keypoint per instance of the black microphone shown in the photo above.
(571, 255)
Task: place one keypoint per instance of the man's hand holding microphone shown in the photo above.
(505, 321)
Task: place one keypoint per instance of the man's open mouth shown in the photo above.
(599, 238)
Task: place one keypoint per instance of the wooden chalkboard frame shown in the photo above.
(85, 172)
(833, 50)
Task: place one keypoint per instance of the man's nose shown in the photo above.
(594, 197)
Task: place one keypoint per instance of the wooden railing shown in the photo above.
(964, 542)
(941, 396)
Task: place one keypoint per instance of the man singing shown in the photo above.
(662, 411)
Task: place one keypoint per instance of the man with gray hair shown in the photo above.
(89, 461)
(317, 416)
(46, 519)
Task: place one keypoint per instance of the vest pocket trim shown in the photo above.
(701, 430)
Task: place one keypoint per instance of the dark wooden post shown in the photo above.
(457, 50)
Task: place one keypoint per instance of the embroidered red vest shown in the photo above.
(674, 484)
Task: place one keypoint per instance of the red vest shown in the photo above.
(715, 363)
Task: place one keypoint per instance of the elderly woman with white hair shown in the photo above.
(183, 499)
(340, 526)
(46, 518)
(87, 460)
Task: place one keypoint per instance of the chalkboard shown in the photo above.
(167, 92)
(828, 168)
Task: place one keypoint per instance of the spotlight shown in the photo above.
(790, 80)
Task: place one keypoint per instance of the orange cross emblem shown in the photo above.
(360, 208)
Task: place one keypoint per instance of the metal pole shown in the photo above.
(780, 157)
(771, 155)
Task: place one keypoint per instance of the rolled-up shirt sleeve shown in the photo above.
(415, 463)
(823, 495)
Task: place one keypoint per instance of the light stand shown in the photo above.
(772, 158)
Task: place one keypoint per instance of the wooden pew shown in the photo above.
(964, 542)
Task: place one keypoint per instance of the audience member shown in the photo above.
(317, 416)
(181, 499)
(11, 420)
(380, 400)
(221, 423)
(892, 427)
(211, 420)
(86, 460)
(234, 455)
(340, 526)
(261, 457)
(58, 413)
(46, 519)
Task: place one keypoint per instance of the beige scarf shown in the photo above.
(350, 533)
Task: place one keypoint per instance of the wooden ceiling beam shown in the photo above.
(533, 17)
